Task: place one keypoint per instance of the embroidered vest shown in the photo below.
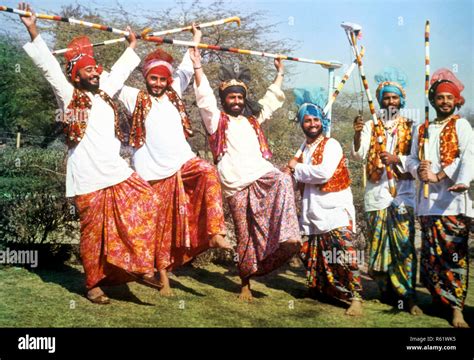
(340, 179)
(142, 108)
(218, 140)
(77, 116)
(449, 146)
(375, 168)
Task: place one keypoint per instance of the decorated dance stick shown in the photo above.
(171, 31)
(238, 51)
(339, 87)
(426, 187)
(235, 19)
(352, 30)
(333, 97)
(66, 19)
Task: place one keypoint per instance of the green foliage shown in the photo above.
(26, 100)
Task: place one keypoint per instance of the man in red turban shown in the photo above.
(190, 211)
(117, 235)
(445, 215)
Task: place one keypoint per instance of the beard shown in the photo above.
(158, 92)
(87, 85)
(233, 112)
(445, 113)
(312, 134)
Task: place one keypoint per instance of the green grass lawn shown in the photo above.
(204, 297)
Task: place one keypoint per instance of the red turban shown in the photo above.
(158, 62)
(443, 80)
(79, 56)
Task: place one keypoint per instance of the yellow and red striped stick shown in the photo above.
(65, 19)
(353, 41)
(164, 32)
(235, 19)
(426, 187)
(161, 40)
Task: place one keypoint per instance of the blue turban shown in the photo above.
(312, 102)
(391, 80)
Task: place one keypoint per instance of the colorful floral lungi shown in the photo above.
(392, 254)
(264, 216)
(445, 257)
(190, 212)
(118, 226)
(332, 264)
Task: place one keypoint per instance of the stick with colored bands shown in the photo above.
(164, 32)
(338, 90)
(426, 187)
(352, 40)
(65, 19)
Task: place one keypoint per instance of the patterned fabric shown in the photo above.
(142, 108)
(189, 213)
(449, 146)
(445, 257)
(392, 254)
(332, 265)
(76, 117)
(340, 180)
(118, 226)
(374, 167)
(264, 216)
(218, 140)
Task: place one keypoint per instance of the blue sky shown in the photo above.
(392, 34)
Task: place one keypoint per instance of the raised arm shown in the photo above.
(274, 97)
(185, 71)
(205, 98)
(45, 61)
(122, 69)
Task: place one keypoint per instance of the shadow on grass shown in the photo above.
(216, 280)
(276, 280)
(71, 279)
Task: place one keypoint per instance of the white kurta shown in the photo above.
(440, 201)
(95, 163)
(377, 195)
(466, 170)
(165, 149)
(323, 211)
(243, 162)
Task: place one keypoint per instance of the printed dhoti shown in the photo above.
(190, 212)
(445, 257)
(392, 254)
(118, 226)
(264, 216)
(332, 264)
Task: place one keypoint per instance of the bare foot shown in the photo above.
(165, 282)
(97, 296)
(245, 292)
(413, 309)
(219, 241)
(355, 309)
(458, 319)
(166, 291)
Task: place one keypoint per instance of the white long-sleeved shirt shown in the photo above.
(377, 195)
(440, 201)
(95, 163)
(243, 162)
(466, 170)
(323, 211)
(165, 149)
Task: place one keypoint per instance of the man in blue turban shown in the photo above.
(327, 211)
(390, 218)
